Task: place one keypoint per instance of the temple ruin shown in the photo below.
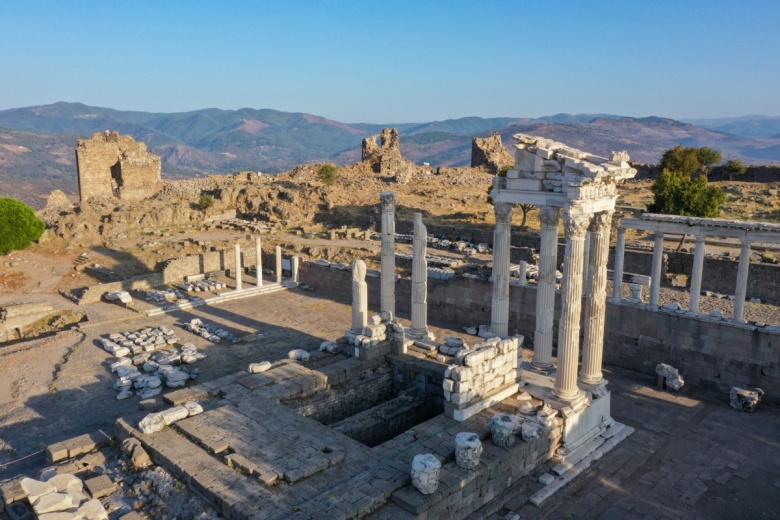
(110, 165)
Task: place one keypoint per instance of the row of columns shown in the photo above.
(585, 272)
(294, 265)
(696, 274)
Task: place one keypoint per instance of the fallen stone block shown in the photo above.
(175, 414)
(745, 399)
(152, 423)
(92, 510)
(53, 502)
(193, 408)
(468, 450)
(298, 355)
(99, 487)
(34, 489)
(65, 483)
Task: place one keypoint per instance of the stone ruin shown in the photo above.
(385, 158)
(110, 165)
(490, 153)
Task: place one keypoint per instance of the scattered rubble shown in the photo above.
(210, 332)
(745, 399)
(671, 376)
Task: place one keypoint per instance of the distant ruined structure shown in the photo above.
(110, 165)
(385, 158)
(491, 153)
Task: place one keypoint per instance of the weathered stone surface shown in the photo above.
(193, 408)
(425, 473)
(745, 399)
(110, 165)
(468, 450)
(154, 422)
(35, 488)
(256, 368)
(490, 152)
(93, 510)
(503, 427)
(298, 355)
(673, 378)
(101, 486)
(172, 415)
(53, 502)
(65, 483)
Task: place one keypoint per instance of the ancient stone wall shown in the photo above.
(94, 293)
(385, 157)
(113, 165)
(490, 153)
(717, 353)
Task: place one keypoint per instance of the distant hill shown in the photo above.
(746, 126)
(37, 143)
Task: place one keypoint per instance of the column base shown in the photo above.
(419, 335)
(596, 390)
(574, 404)
(547, 370)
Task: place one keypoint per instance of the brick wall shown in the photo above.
(716, 353)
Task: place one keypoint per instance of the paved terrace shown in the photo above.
(691, 455)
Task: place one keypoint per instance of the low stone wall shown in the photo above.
(176, 269)
(718, 353)
(94, 293)
(486, 368)
(421, 374)
(334, 405)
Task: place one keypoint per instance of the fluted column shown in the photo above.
(259, 261)
(545, 288)
(620, 248)
(387, 280)
(742, 279)
(419, 329)
(278, 251)
(595, 299)
(571, 308)
(655, 275)
(499, 312)
(239, 284)
(698, 267)
(359, 297)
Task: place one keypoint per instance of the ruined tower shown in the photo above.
(110, 165)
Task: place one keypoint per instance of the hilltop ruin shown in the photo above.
(385, 157)
(110, 165)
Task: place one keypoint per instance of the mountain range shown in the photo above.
(37, 143)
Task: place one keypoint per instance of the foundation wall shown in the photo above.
(94, 293)
(710, 353)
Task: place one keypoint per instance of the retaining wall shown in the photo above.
(94, 293)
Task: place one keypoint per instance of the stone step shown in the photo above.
(223, 297)
(557, 483)
(578, 454)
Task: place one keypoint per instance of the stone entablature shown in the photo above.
(110, 165)
(717, 227)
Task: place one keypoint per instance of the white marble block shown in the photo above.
(468, 450)
(425, 473)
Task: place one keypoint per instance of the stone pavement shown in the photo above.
(691, 455)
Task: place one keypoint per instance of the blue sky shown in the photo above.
(396, 61)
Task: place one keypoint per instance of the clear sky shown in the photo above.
(396, 61)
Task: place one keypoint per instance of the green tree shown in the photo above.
(328, 173)
(734, 167)
(679, 159)
(205, 201)
(19, 226)
(677, 193)
(707, 157)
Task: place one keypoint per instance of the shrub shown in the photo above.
(206, 201)
(19, 226)
(328, 173)
(733, 167)
(676, 193)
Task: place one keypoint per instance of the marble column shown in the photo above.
(419, 329)
(620, 248)
(586, 261)
(595, 299)
(499, 311)
(239, 284)
(523, 272)
(571, 308)
(259, 261)
(698, 267)
(387, 274)
(359, 297)
(278, 251)
(295, 263)
(742, 278)
(545, 288)
(655, 275)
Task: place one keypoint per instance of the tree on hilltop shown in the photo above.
(734, 167)
(690, 159)
(19, 226)
(328, 173)
(677, 193)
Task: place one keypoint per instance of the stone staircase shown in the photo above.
(223, 297)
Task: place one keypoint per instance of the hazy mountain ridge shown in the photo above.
(38, 142)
